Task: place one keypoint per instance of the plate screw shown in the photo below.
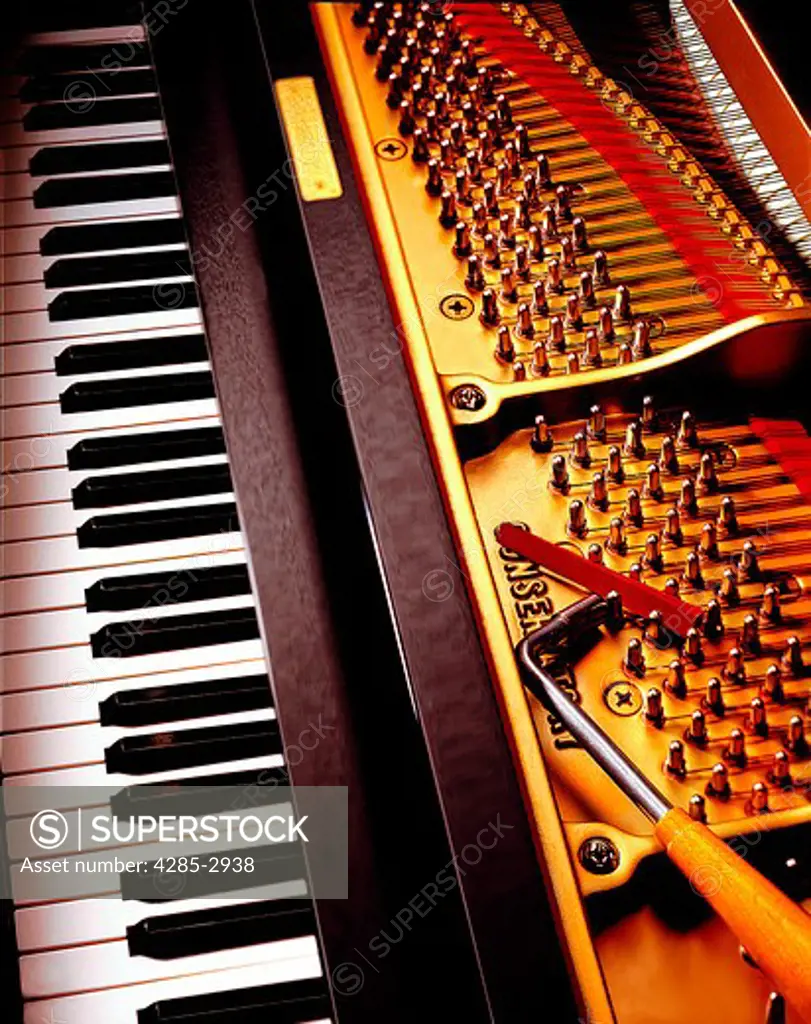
(468, 397)
(456, 307)
(599, 855)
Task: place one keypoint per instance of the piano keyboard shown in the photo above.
(129, 637)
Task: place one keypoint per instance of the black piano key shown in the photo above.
(104, 188)
(194, 932)
(289, 1002)
(104, 83)
(125, 593)
(108, 356)
(48, 117)
(151, 485)
(99, 302)
(189, 748)
(204, 794)
(95, 156)
(85, 57)
(62, 241)
(139, 266)
(104, 452)
(91, 396)
(154, 705)
(174, 633)
(164, 524)
(57, 16)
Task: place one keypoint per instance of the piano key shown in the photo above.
(161, 635)
(146, 486)
(96, 25)
(15, 134)
(129, 231)
(53, 160)
(37, 326)
(57, 58)
(20, 213)
(26, 186)
(120, 393)
(73, 746)
(221, 997)
(135, 266)
(152, 526)
(125, 593)
(106, 357)
(91, 303)
(79, 922)
(104, 188)
(104, 452)
(47, 117)
(122, 82)
(172, 696)
(89, 968)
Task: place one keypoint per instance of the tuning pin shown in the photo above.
(549, 223)
(635, 656)
(474, 167)
(504, 181)
(598, 496)
(541, 440)
(567, 256)
(698, 728)
(615, 468)
(635, 571)
(485, 150)
(688, 506)
(506, 350)
(736, 751)
(595, 554)
(687, 436)
(420, 152)
(772, 686)
(707, 479)
(503, 111)
(493, 129)
(535, 241)
(531, 189)
(715, 698)
(750, 635)
(579, 235)
(634, 444)
(697, 808)
(781, 768)
(489, 313)
(521, 217)
(600, 269)
(490, 198)
(672, 528)
(395, 93)
(522, 262)
(792, 658)
(448, 216)
(554, 278)
(770, 606)
(577, 525)
(492, 254)
(653, 483)
(653, 706)
(557, 339)
(432, 128)
(441, 106)
(653, 630)
(675, 763)
(757, 720)
(693, 649)
(562, 207)
(407, 123)
(653, 554)
(519, 371)
(718, 786)
(540, 360)
(560, 474)
(434, 185)
(672, 587)
(524, 325)
(362, 15)
(729, 587)
(747, 566)
(668, 459)
(606, 324)
(708, 543)
(616, 537)
(486, 81)
(580, 449)
(633, 508)
(713, 624)
(447, 157)
(624, 354)
(540, 304)
(475, 277)
(727, 519)
(542, 171)
(470, 116)
(760, 797)
(676, 682)
(734, 670)
(615, 618)
(509, 291)
(622, 304)
(648, 416)
(574, 318)
(506, 236)
(596, 427)
(461, 246)
(587, 291)
(795, 738)
(522, 141)
(513, 160)
(640, 346)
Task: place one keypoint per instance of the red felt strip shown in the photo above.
(639, 598)
(788, 442)
(656, 189)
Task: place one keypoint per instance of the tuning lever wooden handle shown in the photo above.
(775, 931)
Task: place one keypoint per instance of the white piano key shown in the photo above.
(62, 554)
(44, 421)
(16, 159)
(121, 1005)
(15, 135)
(77, 666)
(67, 705)
(33, 327)
(30, 268)
(27, 240)
(22, 212)
(135, 33)
(32, 298)
(87, 969)
(75, 746)
(68, 628)
(48, 450)
(67, 590)
(80, 922)
(23, 358)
